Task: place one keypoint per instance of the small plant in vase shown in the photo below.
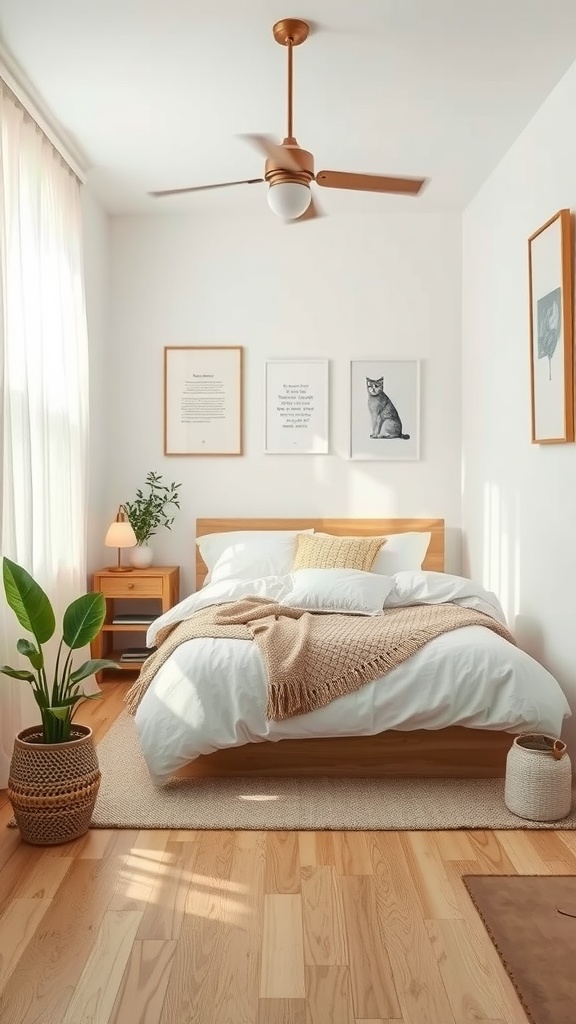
(54, 774)
(147, 513)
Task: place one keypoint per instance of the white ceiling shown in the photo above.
(156, 92)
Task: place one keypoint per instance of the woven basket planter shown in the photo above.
(538, 778)
(53, 786)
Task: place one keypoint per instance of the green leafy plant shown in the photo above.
(83, 619)
(148, 511)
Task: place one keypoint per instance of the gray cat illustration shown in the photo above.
(386, 422)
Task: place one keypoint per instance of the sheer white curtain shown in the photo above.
(44, 381)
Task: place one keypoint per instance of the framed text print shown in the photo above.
(550, 262)
(385, 409)
(296, 406)
(203, 400)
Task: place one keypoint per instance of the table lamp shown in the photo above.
(120, 535)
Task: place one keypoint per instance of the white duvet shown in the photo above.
(211, 694)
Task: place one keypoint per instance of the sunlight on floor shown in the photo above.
(258, 796)
(138, 873)
(215, 907)
(219, 883)
(157, 878)
(210, 898)
(151, 856)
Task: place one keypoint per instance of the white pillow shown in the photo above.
(248, 554)
(440, 587)
(402, 552)
(338, 590)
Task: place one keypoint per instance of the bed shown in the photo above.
(453, 751)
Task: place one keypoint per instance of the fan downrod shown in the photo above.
(292, 30)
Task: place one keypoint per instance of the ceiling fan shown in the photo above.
(289, 169)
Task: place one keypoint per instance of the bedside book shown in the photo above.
(136, 654)
(133, 620)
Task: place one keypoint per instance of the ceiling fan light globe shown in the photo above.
(289, 199)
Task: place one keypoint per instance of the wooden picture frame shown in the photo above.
(550, 271)
(203, 400)
(296, 419)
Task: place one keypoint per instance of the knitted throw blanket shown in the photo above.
(312, 658)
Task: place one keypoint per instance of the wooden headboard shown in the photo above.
(434, 560)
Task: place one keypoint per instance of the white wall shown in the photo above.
(96, 238)
(519, 499)
(386, 286)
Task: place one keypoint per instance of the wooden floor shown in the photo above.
(129, 927)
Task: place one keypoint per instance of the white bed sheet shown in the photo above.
(211, 694)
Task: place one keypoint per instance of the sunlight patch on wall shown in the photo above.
(515, 596)
(491, 529)
(501, 548)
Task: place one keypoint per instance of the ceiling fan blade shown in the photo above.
(203, 188)
(312, 213)
(280, 154)
(370, 182)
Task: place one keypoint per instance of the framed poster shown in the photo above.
(203, 400)
(296, 406)
(550, 262)
(385, 409)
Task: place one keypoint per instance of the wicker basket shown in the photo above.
(538, 778)
(53, 786)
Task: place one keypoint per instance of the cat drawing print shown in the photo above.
(386, 422)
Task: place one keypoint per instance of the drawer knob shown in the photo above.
(130, 586)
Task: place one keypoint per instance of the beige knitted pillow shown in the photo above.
(323, 551)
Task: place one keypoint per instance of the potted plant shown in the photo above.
(54, 775)
(147, 513)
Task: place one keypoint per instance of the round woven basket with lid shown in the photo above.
(538, 778)
(53, 786)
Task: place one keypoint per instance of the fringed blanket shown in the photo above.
(312, 658)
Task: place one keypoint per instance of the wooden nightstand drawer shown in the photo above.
(131, 586)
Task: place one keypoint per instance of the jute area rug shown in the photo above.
(532, 923)
(128, 799)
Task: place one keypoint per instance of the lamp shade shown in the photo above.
(120, 535)
(289, 199)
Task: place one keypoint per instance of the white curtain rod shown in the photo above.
(35, 107)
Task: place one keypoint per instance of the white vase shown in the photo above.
(141, 556)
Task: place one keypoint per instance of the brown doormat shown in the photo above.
(532, 923)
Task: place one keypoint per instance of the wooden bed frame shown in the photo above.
(455, 752)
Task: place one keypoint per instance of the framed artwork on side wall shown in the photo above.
(385, 409)
(550, 263)
(203, 400)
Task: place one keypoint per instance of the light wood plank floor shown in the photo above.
(136, 927)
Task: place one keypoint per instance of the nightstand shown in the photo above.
(159, 585)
